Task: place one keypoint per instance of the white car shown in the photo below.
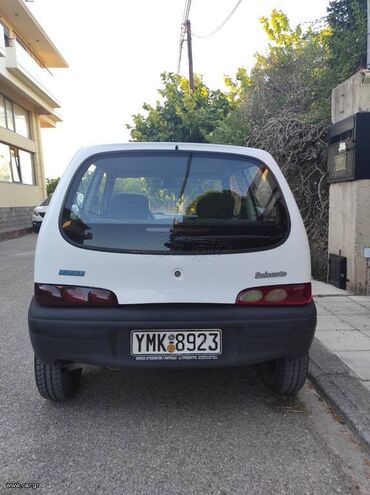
(39, 213)
(171, 255)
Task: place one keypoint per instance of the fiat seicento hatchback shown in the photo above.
(171, 255)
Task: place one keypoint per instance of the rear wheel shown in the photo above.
(285, 375)
(55, 382)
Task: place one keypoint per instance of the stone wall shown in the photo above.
(15, 221)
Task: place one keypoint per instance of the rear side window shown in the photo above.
(174, 202)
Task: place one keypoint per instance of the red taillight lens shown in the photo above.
(69, 295)
(276, 295)
(76, 296)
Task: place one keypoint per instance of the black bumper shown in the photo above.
(101, 336)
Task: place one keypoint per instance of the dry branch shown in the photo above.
(300, 149)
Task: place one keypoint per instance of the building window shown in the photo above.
(16, 169)
(5, 173)
(21, 120)
(14, 117)
(7, 38)
(9, 115)
(26, 162)
(6, 34)
(16, 165)
(2, 112)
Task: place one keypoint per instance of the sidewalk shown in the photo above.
(343, 373)
(343, 326)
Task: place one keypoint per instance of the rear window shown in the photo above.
(46, 201)
(174, 202)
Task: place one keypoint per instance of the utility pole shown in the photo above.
(190, 54)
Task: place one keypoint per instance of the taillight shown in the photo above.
(70, 295)
(276, 295)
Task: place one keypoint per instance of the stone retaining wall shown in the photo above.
(15, 220)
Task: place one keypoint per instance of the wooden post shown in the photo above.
(190, 55)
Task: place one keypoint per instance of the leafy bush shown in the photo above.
(51, 184)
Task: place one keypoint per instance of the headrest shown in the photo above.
(215, 205)
(133, 206)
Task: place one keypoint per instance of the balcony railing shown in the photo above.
(25, 67)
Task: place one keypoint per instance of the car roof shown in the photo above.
(88, 151)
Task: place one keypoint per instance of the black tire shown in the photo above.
(36, 229)
(54, 382)
(285, 376)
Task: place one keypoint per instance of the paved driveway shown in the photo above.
(156, 432)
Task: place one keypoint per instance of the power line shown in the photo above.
(222, 23)
(186, 11)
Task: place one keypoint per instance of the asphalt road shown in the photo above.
(159, 432)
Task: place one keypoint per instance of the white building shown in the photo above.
(27, 103)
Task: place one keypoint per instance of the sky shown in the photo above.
(117, 49)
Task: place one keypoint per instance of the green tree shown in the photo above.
(182, 115)
(292, 75)
(235, 126)
(287, 107)
(288, 104)
(347, 20)
(51, 184)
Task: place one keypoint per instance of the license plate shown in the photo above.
(176, 342)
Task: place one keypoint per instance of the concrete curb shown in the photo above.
(342, 389)
(13, 234)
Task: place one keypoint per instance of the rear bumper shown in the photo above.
(101, 336)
